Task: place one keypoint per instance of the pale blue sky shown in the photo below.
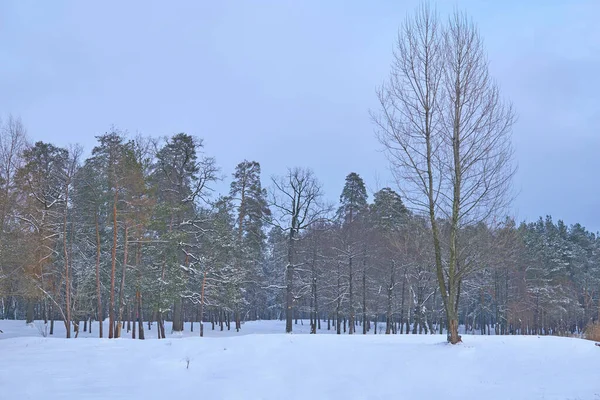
(290, 83)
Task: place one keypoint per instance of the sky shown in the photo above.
(291, 83)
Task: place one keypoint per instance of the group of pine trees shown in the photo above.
(134, 234)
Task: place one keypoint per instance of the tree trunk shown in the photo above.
(177, 322)
(364, 293)
(122, 286)
(402, 310)
(29, 316)
(388, 321)
(135, 319)
(111, 310)
(161, 326)
(129, 317)
(202, 307)
(351, 297)
(138, 295)
(140, 316)
(66, 255)
(98, 292)
(289, 273)
(52, 320)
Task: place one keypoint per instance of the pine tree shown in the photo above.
(181, 178)
(42, 183)
(252, 213)
(353, 206)
(111, 159)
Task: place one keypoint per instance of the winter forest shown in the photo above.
(132, 233)
(133, 230)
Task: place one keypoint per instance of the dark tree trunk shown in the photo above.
(111, 309)
(161, 322)
(117, 332)
(351, 298)
(289, 274)
(30, 311)
(98, 291)
(52, 320)
(177, 321)
(402, 309)
(392, 283)
(134, 317)
(201, 310)
(364, 293)
(338, 317)
(140, 316)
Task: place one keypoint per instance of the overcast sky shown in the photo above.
(290, 83)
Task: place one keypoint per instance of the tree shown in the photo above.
(252, 212)
(353, 205)
(181, 177)
(297, 199)
(111, 159)
(13, 140)
(446, 131)
(91, 201)
(388, 219)
(42, 181)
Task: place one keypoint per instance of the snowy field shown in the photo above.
(261, 363)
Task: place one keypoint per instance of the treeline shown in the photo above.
(134, 233)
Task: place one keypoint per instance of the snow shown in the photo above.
(261, 363)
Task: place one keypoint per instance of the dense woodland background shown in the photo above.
(134, 233)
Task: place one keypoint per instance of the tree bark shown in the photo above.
(29, 316)
(122, 286)
(351, 296)
(388, 322)
(66, 255)
(140, 316)
(364, 293)
(98, 291)
(289, 279)
(111, 310)
(202, 307)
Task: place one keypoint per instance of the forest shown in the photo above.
(135, 234)
(133, 230)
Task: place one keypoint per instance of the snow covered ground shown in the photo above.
(261, 363)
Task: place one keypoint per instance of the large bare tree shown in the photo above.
(446, 131)
(296, 198)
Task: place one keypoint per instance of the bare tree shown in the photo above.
(13, 140)
(447, 134)
(296, 197)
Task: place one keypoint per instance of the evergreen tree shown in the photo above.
(42, 182)
(181, 178)
(353, 205)
(252, 212)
